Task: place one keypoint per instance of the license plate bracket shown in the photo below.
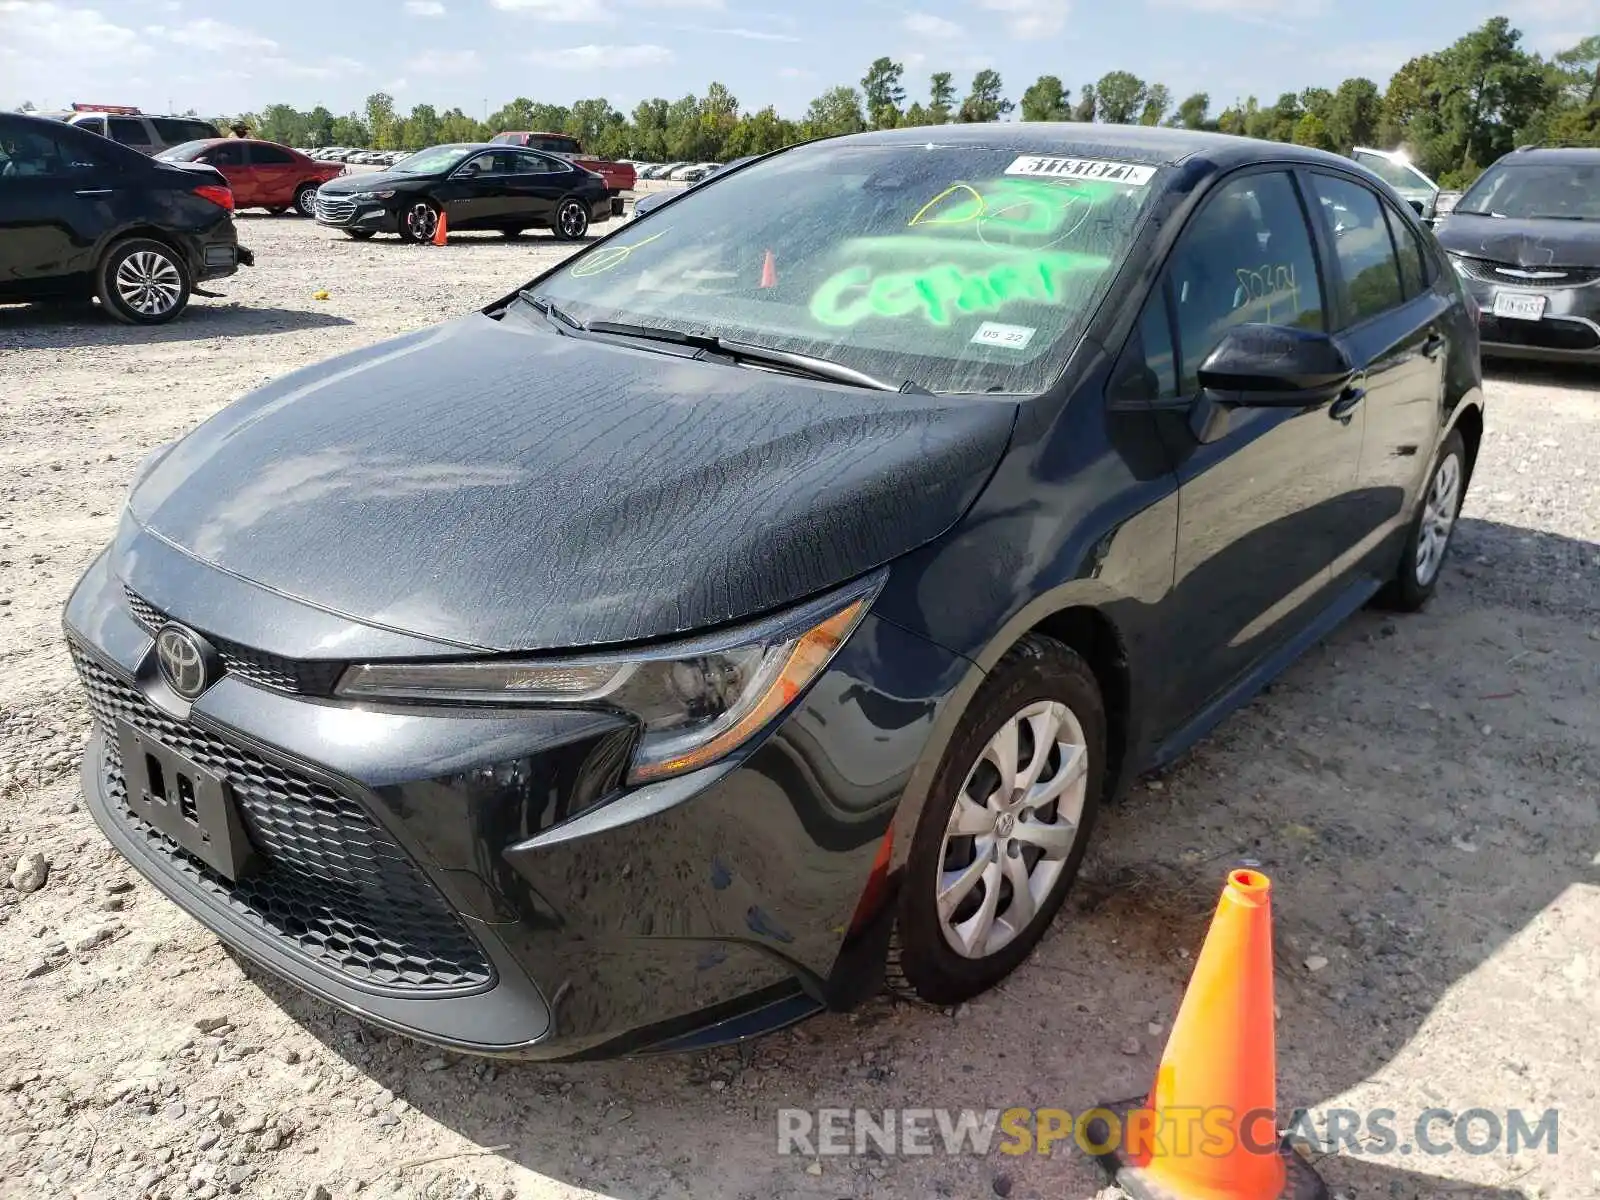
(191, 805)
(1519, 306)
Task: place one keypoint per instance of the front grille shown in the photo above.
(1486, 270)
(302, 676)
(330, 882)
(335, 209)
(1552, 333)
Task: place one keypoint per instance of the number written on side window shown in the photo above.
(1361, 240)
(1245, 258)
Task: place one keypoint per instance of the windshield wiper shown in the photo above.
(798, 364)
(548, 308)
(1475, 212)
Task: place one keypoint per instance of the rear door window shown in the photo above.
(225, 154)
(27, 153)
(1370, 268)
(529, 163)
(130, 131)
(1413, 263)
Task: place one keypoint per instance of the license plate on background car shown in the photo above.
(188, 803)
(1518, 307)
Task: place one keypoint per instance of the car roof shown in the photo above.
(1586, 155)
(1145, 145)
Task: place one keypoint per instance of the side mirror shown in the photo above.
(1419, 207)
(1267, 366)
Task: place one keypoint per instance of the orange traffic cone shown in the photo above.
(440, 230)
(1208, 1128)
(769, 271)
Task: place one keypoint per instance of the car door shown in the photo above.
(475, 194)
(1395, 327)
(56, 199)
(537, 182)
(274, 173)
(1263, 503)
(231, 159)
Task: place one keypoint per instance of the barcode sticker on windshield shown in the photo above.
(1082, 168)
(1012, 337)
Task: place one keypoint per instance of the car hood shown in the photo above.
(500, 486)
(366, 181)
(1525, 242)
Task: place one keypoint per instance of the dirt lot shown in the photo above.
(1422, 790)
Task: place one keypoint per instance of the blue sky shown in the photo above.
(219, 57)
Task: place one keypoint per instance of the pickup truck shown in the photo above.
(619, 177)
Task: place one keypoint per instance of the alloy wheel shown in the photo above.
(1012, 829)
(306, 201)
(422, 220)
(1438, 519)
(148, 282)
(571, 219)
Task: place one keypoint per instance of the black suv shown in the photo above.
(82, 216)
(1525, 238)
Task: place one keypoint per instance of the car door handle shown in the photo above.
(1432, 344)
(1344, 407)
(93, 192)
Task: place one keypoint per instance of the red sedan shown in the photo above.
(261, 174)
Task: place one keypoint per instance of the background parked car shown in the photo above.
(654, 200)
(620, 177)
(1396, 169)
(81, 216)
(262, 174)
(129, 127)
(476, 186)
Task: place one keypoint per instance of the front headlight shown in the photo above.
(359, 196)
(695, 701)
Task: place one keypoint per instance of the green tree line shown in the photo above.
(1455, 110)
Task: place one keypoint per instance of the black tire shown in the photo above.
(571, 220)
(141, 281)
(417, 220)
(276, 212)
(511, 235)
(1416, 577)
(305, 199)
(359, 235)
(923, 963)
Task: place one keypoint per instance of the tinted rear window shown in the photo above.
(181, 129)
(963, 269)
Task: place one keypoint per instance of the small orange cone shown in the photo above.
(1208, 1128)
(440, 230)
(769, 271)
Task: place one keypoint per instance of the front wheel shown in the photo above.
(142, 282)
(1432, 527)
(1005, 827)
(572, 220)
(418, 220)
(305, 200)
(359, 235)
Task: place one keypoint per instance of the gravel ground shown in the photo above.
(1422, 790)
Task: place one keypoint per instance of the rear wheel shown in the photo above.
(571, 221)
(1005, 827)
(305, 199)
(418, 220)
(1432, 527)
(142, 282)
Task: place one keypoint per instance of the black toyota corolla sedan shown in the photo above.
(503, 188)
(1526, 240)
(770, 594)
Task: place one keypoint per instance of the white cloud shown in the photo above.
(700, 4)
(795, 73)
(209, 34)
(749, 35)
(70, 36)
(589, 58)
(929, 26)
(558, 10)
(326, 68)
(425, 8)
(444, 62)
(1031, 18)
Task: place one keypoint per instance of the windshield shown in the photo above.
(435, 159)
(188, 151)
(1548, 189)
(962, 269)
(1399, 176)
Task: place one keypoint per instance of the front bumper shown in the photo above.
(1569, 330)
(429, 870)
(341, 212)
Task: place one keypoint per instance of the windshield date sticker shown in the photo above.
(1082, 168)
(1011, 337)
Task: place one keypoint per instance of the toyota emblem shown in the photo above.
(184, 660)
